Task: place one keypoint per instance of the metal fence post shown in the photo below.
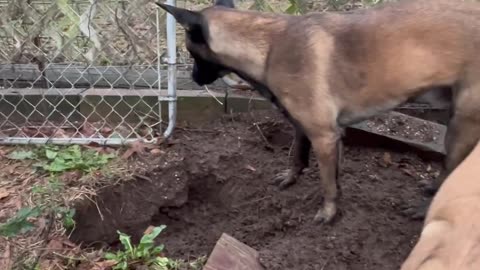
(172, 71)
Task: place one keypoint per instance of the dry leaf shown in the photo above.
(69, 177)
(68, 243)
(47, 264)
(149, 229)
(156, 152)
(4, 151)
(55, 245)
(4, 193)
(30, 132)
(387, 158)
(138, 148)
(11, 169)
(60, 133)
(106, 131)
(18, 202)
(6, 261)
(104, 265)
(88, 129)
(47, 131)
(408, 172)
(41, 225)
(100, 148)
(248, 167)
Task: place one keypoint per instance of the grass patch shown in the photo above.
(55, 159)
(58, 176)
(47, 197)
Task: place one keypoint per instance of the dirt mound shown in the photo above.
(216, 179)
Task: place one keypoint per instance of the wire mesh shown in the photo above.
(82, 71)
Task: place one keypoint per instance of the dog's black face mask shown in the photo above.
(205, 72)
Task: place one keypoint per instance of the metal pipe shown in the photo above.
(159, 74)
(172, 71)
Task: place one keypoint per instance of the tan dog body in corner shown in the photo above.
(450, 238)
(325, 71)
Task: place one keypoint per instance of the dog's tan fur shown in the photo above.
(450, 238)
(328, 70)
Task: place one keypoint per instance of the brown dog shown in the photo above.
(328, 70)
(451, 233)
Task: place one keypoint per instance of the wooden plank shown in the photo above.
(72, 76)
(231, 254)
(433, 146)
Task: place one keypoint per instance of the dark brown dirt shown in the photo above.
(215, 179)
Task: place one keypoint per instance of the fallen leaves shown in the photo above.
(6, 261)
(4, 150)
(70, 177)
(103, 265)
(149, 230)
(387, 158)
(140, 148)
(55, 245)
(4, 193)
(156, 152)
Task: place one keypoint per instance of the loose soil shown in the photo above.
(216, 178)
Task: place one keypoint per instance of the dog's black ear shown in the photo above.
(225, 3)
(192, 21)
(187, 18)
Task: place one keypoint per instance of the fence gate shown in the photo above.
(82, 71)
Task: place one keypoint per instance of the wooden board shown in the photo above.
(436, 145)
(231, 254)
(366, 134)
(80, 76)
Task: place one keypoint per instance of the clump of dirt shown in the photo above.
(217, 179)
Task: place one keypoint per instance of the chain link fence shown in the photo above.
(102, 71)
(83, 71)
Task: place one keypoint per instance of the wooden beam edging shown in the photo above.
(231, 254)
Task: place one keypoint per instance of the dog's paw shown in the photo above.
(417, 212)
(427, 187)
(326, 214)
(284, 179)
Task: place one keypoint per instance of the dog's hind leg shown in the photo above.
(301, 156)
(462, 135)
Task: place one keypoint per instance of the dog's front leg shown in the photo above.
(326, 147)
(301, 156)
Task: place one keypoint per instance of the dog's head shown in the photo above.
(207, 67)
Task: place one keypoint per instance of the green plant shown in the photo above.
(66, 214)
(55, 159)
(299, 7)
(19, 224)
(373, 2)
(47, 202)
(146, 253)
(73, 158)
(48, 197)
(21, 155)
